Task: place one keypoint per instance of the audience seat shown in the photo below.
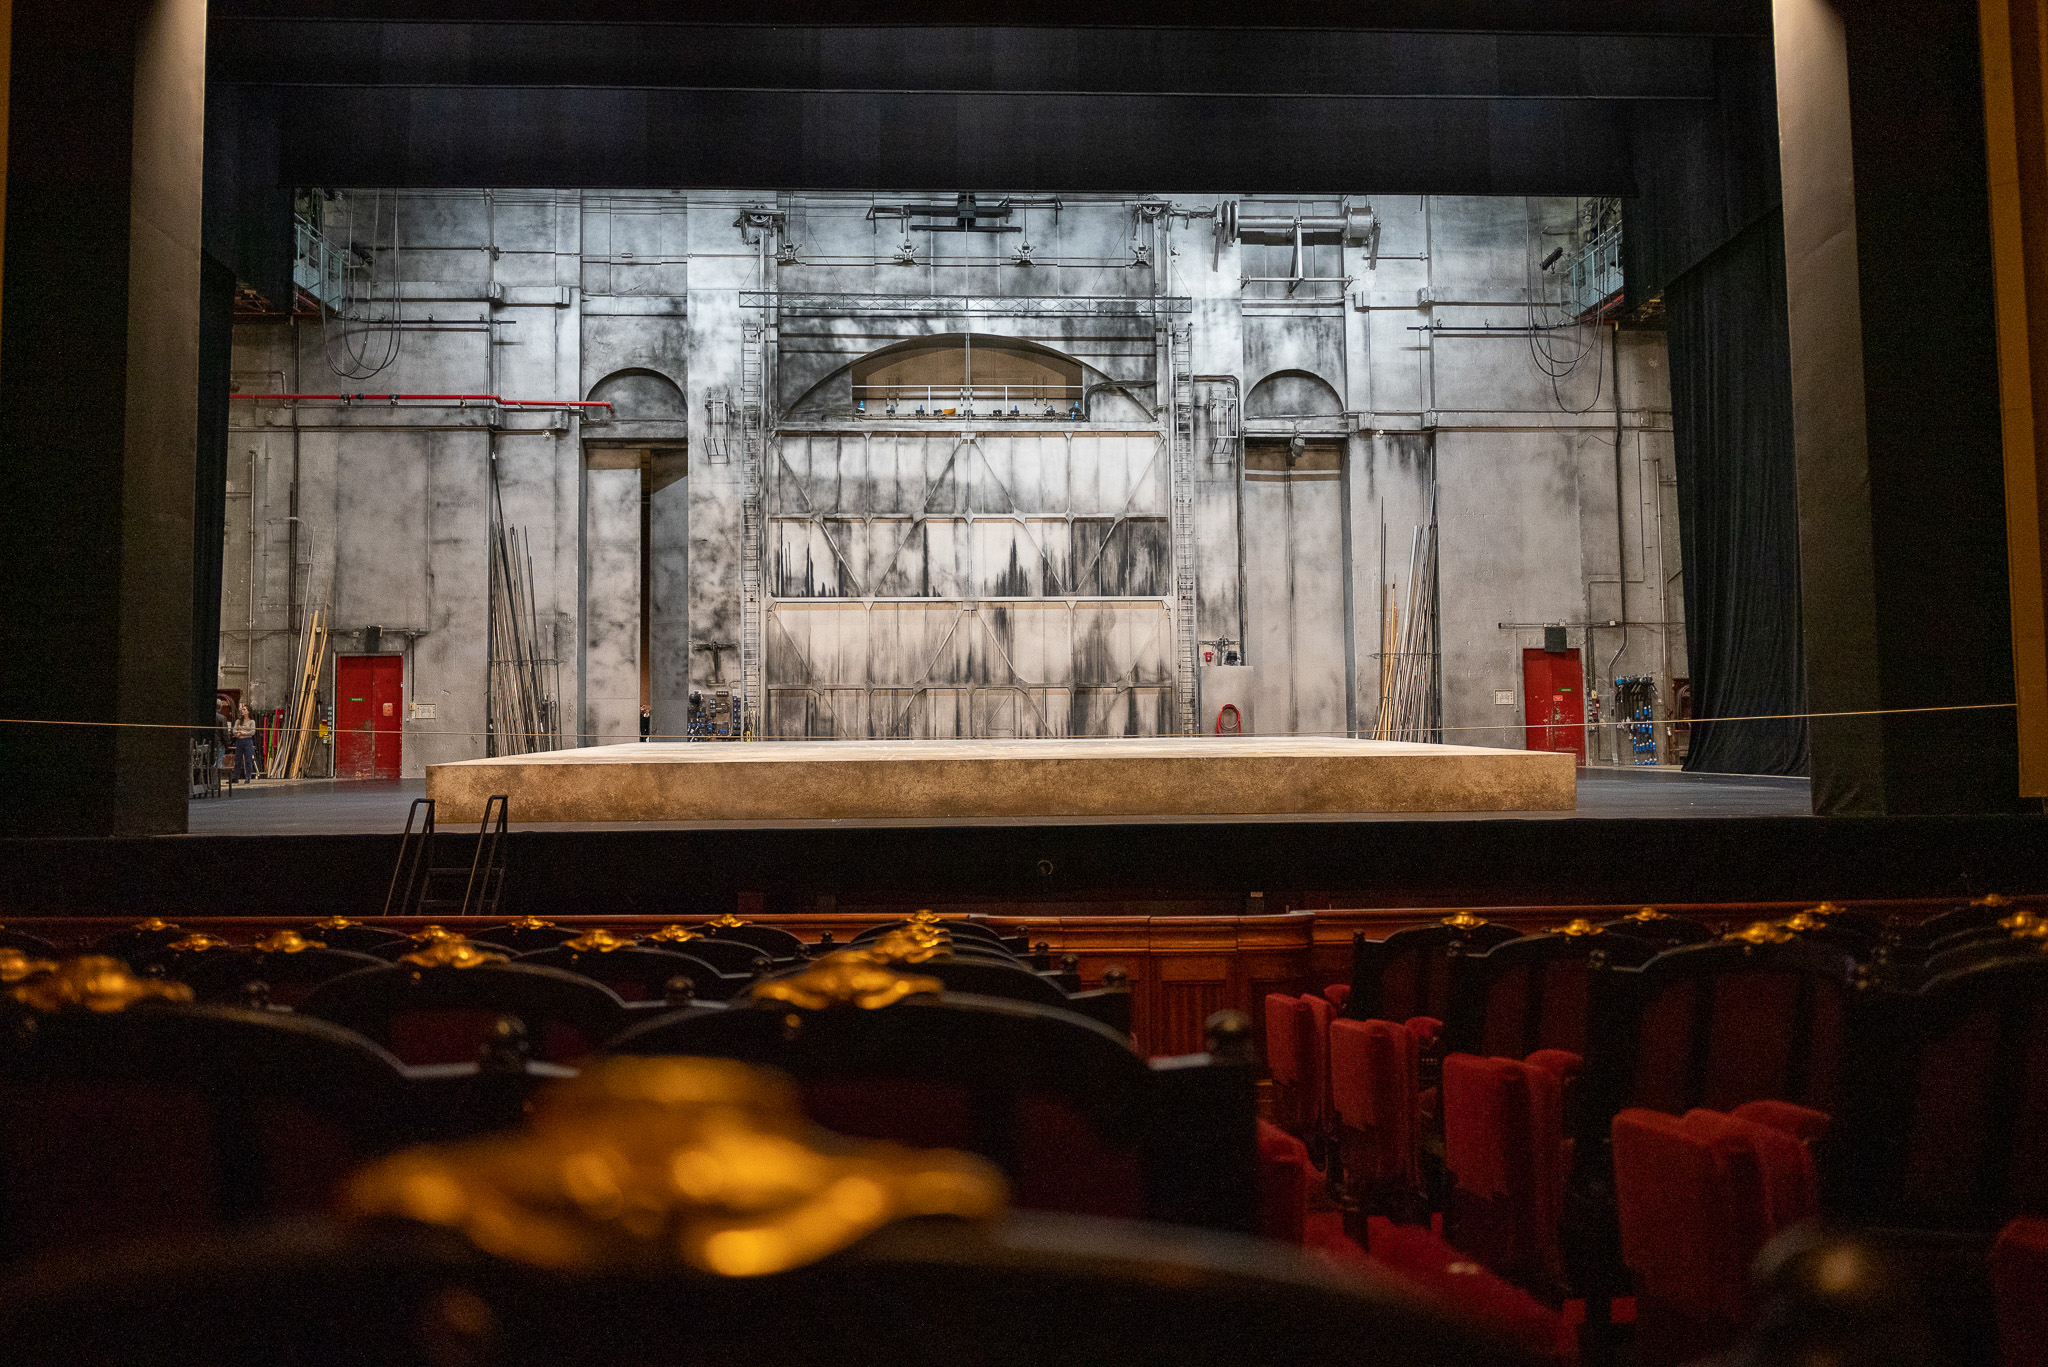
(732, 957)
(1409, 973)
(2019, 1278)
(525, 935)
(777, 943)
(338, 932)
(1288, 1025)
(1507, 1158)
(441, 1005)
(1660, 928)
(1534, 992)
(1374, 1097)
(636, 973)
(1285, 1176)
(1699, 1196)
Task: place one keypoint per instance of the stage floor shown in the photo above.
(996, 779)
(378, 807)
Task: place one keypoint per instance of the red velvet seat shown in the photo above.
(1374, 1106)
(1315, 1059)
(1508, 1157)
(1698, 1196)
(1284, 1176)
(1288, 1029)
(2019, 1278)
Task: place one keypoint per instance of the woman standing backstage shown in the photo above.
(245, 745)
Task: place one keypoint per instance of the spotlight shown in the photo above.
(1551, 260)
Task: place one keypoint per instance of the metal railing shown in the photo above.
(968, 401)
(318, 266)
(1595, 273)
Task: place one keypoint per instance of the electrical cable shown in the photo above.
(360, 365)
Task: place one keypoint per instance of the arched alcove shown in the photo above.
(941, 369)
(1292, 394)
(637, 395)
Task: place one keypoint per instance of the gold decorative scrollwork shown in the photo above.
(727, 921)
(2019, 922)
(286, 942)
(1577, 926)
(1804, 920)
(529, 923)
(675, 934)
(645, 1162)
(197, 942)
(154, 925)
(452, 952)
(1761, 933)
(98, 983)
(852, 977)
(907, 946)
(427, 935)
(926, 917)
(596, 940)
(16, 965)
(335, 923)
(1647, 914)
(1464, 920)
(1992, 899)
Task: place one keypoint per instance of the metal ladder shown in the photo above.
(753, 529)
(1182, 465)
(418, 888)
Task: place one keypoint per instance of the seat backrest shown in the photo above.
(363, 937)
(1531, 993)
(1066, 1105)
(638, 974)
(1950, 1095)
(1660, 927)
(1408, 973)
(1316, 1056)
(2019, 1280)
(1504, 1146)
(773, 941)
(525, 935)
(1373, 1094)
(445, 1014)
(1717, 1025)
(1286, 1019)
(183, 1117)
(727, 956)
(35, 946)
(1975, 915)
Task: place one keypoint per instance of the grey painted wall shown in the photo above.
(964, 575)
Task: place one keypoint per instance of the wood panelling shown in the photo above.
(1181, 968)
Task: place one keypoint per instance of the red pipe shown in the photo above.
(441, 398)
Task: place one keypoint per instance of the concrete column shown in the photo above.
(99, 377)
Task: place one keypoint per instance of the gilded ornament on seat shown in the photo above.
(675, 934)
(452, 952)
(906, 946)
(15, 965)
(529, 923)
(286, 942)
(1804, 921)
(1761, 933)
(1578, 925)
(727, 921)
(1992, 899)
(427, 935)
(335, 923)
(2019, 922)
(926, 917)
(98, 983)
(596, 940)
(851, 977)
(641, 1163)
(1464, 920)
(154, 925)
(1647, 914)
(1825, 909)
(198, 941)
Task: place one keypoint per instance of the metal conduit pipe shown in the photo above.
(1244, 653)
(1620, 532)
(432, 398)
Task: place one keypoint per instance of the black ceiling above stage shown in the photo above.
(1413, 97)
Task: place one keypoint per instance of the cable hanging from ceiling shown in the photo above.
(374, 345)
(1544, 336)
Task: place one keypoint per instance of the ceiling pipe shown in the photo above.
(433, 398)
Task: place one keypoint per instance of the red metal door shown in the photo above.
(1553, 692)
(369, 711)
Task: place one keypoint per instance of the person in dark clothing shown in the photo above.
(245, 745)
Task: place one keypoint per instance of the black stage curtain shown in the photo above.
(1738, 503)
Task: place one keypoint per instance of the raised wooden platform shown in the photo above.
(1164, 776)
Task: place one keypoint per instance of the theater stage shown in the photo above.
(1134, 778)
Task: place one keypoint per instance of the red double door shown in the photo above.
(1553, 692)
(369, 715)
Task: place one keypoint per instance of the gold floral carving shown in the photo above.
(926, 917)
(727, 921)
(675, 934)
(1761, 933)
(154, 925)
(529, 923)
(1464, 920)
(335, 923)
(16, 965)
(96, 982)
(1648, 914)
(852, 977)
(907, 946)
(1577, 926)
(646, 1162)
(452, 952)
(198, 941)
(427, 935)
(596, 940)
(286, 942)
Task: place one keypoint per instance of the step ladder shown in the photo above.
(420, 888)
